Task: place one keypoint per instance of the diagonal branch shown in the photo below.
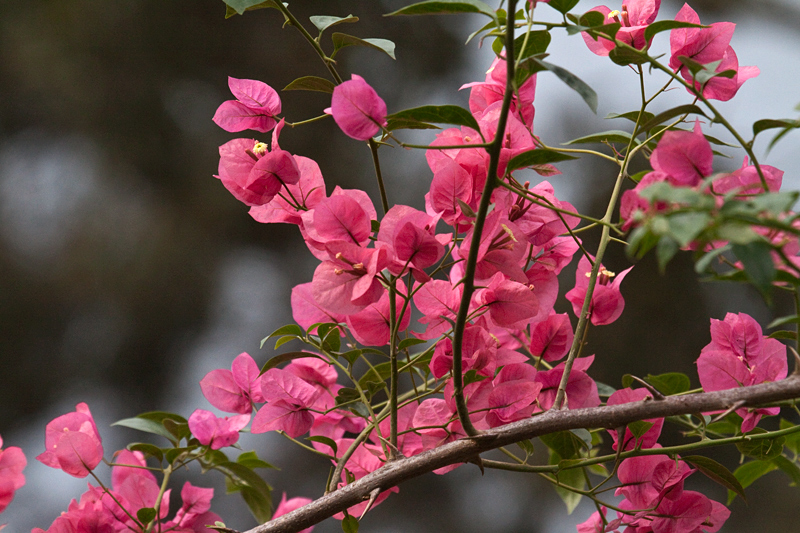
(552, 421)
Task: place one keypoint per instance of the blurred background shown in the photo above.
(127, 272)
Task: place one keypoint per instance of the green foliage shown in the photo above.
(563, 6)
(323, 22)
(667, 25)
(761, 448)
(254, 490)
(251, 460)
(149, 450)
(611, 136)
(350, 524)
(749, 473)
(167, 425)
(238, 7)
(717, 472)
(447, 7)
(419, 117)
(285, 357)
(342, 40)
(669, 383)
(311, 83)
(145, 515)
(537, 156)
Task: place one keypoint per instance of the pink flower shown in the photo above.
(634, 18)
(357, 109)
(287, 506)
(581, 389)
(607, 302)
(73, 443)
(746, 180)
(650, 437)
(12, 462)
(483, 94)
(255, 107)
(233, 391)
(684, 156)
(289, 399)
(552, 338)
(216, 432)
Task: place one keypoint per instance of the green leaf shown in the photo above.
(383, 370)
(323, 22)
(537, 156)
(332, 341)
(669, 383)
(350, 524)
(574, 83)
(375, 226)
(761, 448)
(793, 439)
(750, 472)
(571, 478)
(563, 6)
(639, 175)
(351, 356)
(440, 114)
(605, 390)
(148, 426)
(666, 25)
(526, 446)
(789, 468)
(770, 123)
(666, 248)
(260, 504)
(406, 343)
(147, 449)
(704, 262)
(537, 43)
(639, 428)
(346, 395)
(179, 429)
(716, 472)
(565, 443)
(626, 56)
(240, 6)
(687, 109)
(791, 319)
(284, 357)
(146, 515)
(446, 7)
(758, 265)
(255, 491)
(685, 227)
(633, 116)
(289, 329)
(627, 381)
(342, 40)
(783, 334)
(311, 83)
(250, 460)
(327, 441)
(611, 136)
(160, 416)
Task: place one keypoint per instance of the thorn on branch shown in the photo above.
(372, 496)
(479, 462)
(796, 371)
(732, 408)
(655, 392)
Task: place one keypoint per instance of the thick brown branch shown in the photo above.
(552, 421)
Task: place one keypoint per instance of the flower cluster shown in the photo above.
(12, 463)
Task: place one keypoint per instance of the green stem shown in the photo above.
(157, 506)
(373, 147)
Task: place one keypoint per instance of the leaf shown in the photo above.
(639, 428)
(405, 343)
(605, 390)
(255, 491)
(284, 357)
(350, 524)
(563, 5)
(537, 156)
(145, 515)
(323, 22)
(639, 175)
(717, 472)
(572, 478)
(669, 383)
(627, 56)
(260, 504)
(240, 6)
(574, 83)
(633, 116)
(440, 114)
(666, 248)
(783, 334)
(666, 25)
(685, 227)
(351, 356)
(770, 123)
(342, 40)
(758, 265)
(526, 446)
(148, 426)
(793, 439)
(750, 472)
(327, 441)
(537, 43)
(688, 109)
(761, 448)
(627, 381)
(160, 416)
(147, 449)
(789, 468)
(446, 7)
(289, 329)
(251, 460)
(704, 262)
(791, 319)
(332, 341)
(565, 443)
(383, 370)
(618, 136)
(311, 83)
(179, 429)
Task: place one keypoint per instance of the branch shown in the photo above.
(469, 448)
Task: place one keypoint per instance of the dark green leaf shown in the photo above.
(791, 319)
(160, 416)
(687, 109)
(761, 448)
(383, 370)
(284, 357)
(440, 114)
(260, 504)
(351, 356)
(375, 226)
(406, 343)
(408, 124)
(346, 395)
(446, 7)
(563, 6)
(666, 25)
(768, 124)
(565, 443)
(789, 468)
(685, 227)
(793, 439)
(342, 40)
(639, 428)
(639, 175)
(311, 83)
(605, 390)
(750, 472)
(627, 381)
(611, 136)
(289, 329)
(716, 472)
(571, 478)
(240, 6)
(146, 515)
(173, 453)
(327, 441)
(537, 43)
(526, 446)
(250, 460)
(669, 383)
(323, 22)
(537, 156)
(666, 248)
(332, 341)
(528, 68)
(472, 376)
(255, 491)
(783, 334)
(179, 429)
(633, 116)
(574, 83)
(350, 524)
(627, 56)
(147, 449)
(148, 426)
(758, 265)
(704, 262)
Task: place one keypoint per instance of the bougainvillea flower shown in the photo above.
(289, 399)
(136, 487)
(684, 156)
(478, 352)
(216, 432)
(581, 390)
(502, 248)
(539, 223)
(255, 107)
(73, 443)
(650, 437)
(411, 237)
(371, 326)
(634, 18)
(194, 514)
(438, 302)
(607, 302)
(308, 192)
(287, 506)
(357, 109)
(307, 312)
(408, 442)
(483, 94)
(233, 391)
(746, 180)
(508, 302)
(739, 356)
(12, 463)
(253, 174)
(513, 396)
(552, 338)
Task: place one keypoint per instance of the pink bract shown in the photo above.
(216, 432)
(255, 107)
(634, 17)
(12, 463)
(357, 109)
(73, 443)
(607, 302)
